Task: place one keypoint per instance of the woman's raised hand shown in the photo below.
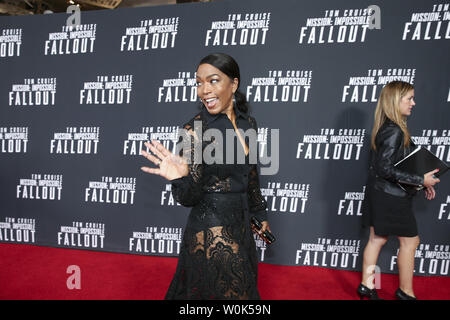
(170, 166)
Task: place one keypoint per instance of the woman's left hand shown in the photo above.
(265, 226)
(430, 193)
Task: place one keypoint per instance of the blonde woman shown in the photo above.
(387, 208)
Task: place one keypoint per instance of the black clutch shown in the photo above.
(267, 236)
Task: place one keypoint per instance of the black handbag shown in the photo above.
(267, 236)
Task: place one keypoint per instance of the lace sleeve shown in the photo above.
(257, 203)
(188, 190)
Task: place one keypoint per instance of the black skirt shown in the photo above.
(388, 214)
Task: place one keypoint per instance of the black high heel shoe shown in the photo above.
(365, 292)
(400, 295)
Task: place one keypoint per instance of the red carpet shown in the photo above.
(31, 272)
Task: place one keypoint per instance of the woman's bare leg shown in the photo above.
(370, 257)
(405, 260)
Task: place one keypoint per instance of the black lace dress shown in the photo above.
(218, 258)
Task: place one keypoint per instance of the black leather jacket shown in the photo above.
(383, 175)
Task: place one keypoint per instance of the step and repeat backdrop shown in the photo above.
(77, 104)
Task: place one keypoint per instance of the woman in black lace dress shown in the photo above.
(218, 253)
